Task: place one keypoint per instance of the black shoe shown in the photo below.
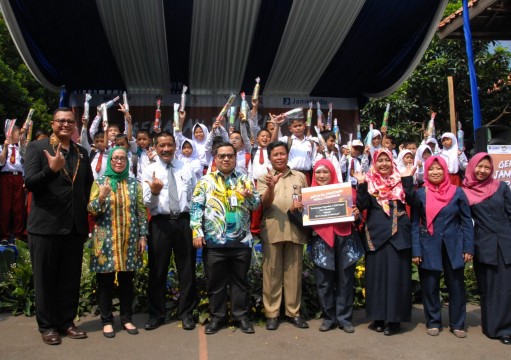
(325, 326)
(108, 334)
(152, 324)
(246, 326)
(298, 322)
(506, 339)
(188, 323)
(377, 325)
(130, 331)
(213, 326)
(392, 328)
(272, 323)
(348, 328)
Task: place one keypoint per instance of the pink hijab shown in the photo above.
(476, 190)
(327, 231)
(437, 196)
(385, 188)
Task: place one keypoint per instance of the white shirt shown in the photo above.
(301, 154)
(143, 162)
(241, 162)
(17, 166)
(185, 182)
(255, 169)
(94, 162)
(346, 166)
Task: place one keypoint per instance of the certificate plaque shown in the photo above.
(327, 204)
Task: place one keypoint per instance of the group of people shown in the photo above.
(221, 190)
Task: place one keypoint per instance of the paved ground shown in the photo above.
(19, 339)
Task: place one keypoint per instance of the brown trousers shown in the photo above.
(282, 266)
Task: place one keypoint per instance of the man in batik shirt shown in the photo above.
(220, 221)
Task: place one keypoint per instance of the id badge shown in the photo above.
(233, 201)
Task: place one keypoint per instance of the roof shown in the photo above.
(330, 48)
(489, 20)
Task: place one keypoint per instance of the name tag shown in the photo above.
(233, 201)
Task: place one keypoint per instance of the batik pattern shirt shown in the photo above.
(219, 212)
(118, 225)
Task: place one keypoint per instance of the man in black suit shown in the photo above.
(58, 173)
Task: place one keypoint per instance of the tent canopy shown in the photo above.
(329, 48)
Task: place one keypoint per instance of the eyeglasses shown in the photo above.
(228, 156)
(119, 159)
(65, 121)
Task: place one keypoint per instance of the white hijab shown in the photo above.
(451, 155)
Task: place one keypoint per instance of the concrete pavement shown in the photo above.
(19, 339)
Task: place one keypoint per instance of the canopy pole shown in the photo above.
(476, 109)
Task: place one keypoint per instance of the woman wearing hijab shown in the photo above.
(443, 240)
(490, 203)
(118, 238)
(454, 157)
(336, 247)
(388, 243)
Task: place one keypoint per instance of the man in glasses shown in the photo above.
(58, 173)
(168, 185)
(220, 220)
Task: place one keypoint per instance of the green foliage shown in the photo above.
(20, 91)
(426, 91)
(17, 290)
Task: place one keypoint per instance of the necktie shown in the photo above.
(352, 167)
(12, 159)
(213, 165)
(173, 196)
(261, 156)
(99, 163)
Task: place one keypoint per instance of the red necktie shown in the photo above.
(13, 155)
(99, 163)
(261, 156)
(352, 167)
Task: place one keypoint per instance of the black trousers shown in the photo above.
(57, 267)
(335, 293)
(430, 285)
(167, 236)
(225, 266)
(105, 291)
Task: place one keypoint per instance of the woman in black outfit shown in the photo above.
(388, 243)
(490, 203)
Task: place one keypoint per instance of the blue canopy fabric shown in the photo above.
(330, 48)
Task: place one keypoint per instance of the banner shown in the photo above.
(501, 157)
(327, 204)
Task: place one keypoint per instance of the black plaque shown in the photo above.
(327, 211)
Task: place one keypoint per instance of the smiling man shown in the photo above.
(220, 220)
(58, 173)
(282, 241)
(168, 184)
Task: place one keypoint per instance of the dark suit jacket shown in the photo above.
(379, 224)
(452, 226)
(57, 204)
(492, 219)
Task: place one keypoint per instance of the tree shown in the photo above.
(426, 91)
(19, 89)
